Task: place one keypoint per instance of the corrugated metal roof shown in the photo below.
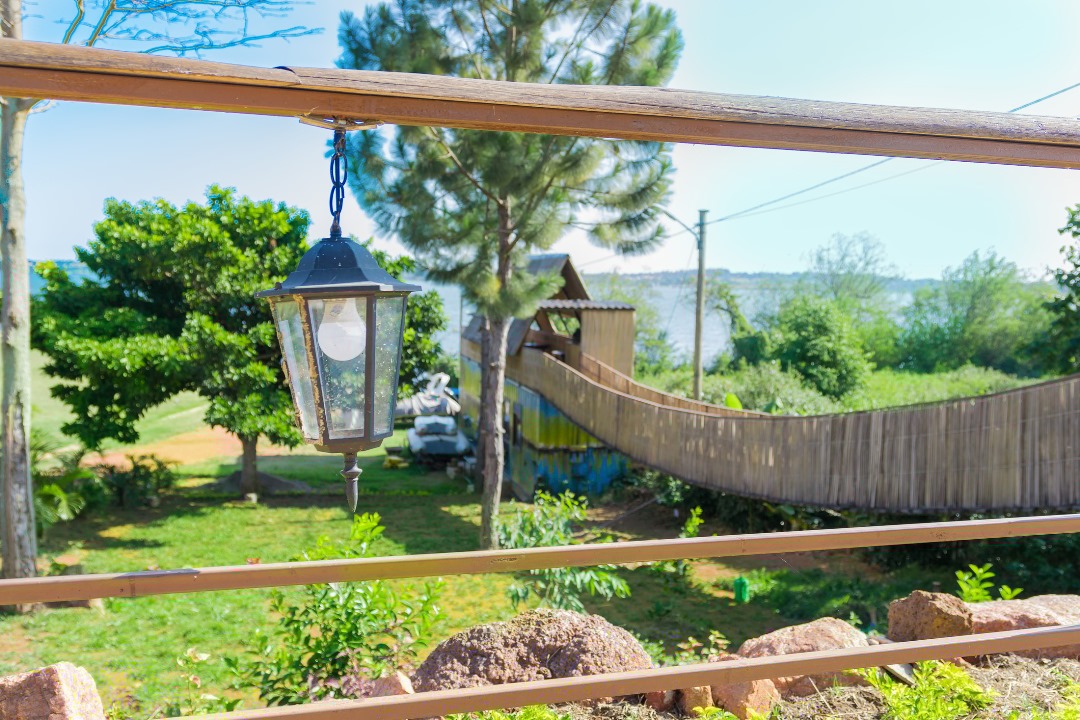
(558, 304)
(573, 291)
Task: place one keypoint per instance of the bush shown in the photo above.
(942, 691)
(550, 521)
(142, 483)
(768, 388)
(891, 388)
(62, 487)
(338, 637)
(818, 341)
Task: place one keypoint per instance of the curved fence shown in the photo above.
(1015, 450)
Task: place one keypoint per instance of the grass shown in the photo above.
(180, 414)
(131, 647)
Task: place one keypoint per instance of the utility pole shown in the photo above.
(699, 315)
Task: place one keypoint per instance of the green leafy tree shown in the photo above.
(177, 27)
(984, 312)
(853, 272)
(1060, 349)
(473, 205)
(172, 308)
(817, 340)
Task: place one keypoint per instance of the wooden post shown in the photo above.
(699, 310)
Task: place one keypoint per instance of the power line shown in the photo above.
(864, 168)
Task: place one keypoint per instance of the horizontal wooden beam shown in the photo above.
(164, 582)
(42, 70)
(562, 690)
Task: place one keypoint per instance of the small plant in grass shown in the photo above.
(672, 570)
(687, 652)
(550, 521)
(196, 701)
(975, 585)
(942, 691)
(338, 637)
(715, 713)
(142, 483)
(1067, 709)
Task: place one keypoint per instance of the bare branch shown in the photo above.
(109, 7)
(80, 13)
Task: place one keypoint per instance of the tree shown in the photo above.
(180, 27)
(172, 308)
(472, 204)
(853, 272)
(984, 312)
(817, 340)
(1060, 349)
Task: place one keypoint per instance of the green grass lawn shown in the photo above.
(180, 414)
(131, 647)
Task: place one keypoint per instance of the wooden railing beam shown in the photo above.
(62, 72)
(164, 582)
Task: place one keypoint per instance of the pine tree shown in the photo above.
(473, 205)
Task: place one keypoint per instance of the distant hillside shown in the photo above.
(751, 281)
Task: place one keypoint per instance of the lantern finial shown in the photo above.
(351, 473)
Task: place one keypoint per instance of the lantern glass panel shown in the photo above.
(339, 326)
(388, 329)
(291, 332)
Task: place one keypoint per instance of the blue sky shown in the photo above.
(980, 55)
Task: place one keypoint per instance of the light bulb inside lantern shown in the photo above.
(341, 334)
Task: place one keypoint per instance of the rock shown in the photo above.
(396, 684)
(1033, 612)
(660, 700)
(57, 692)
(823, 634)
(696, 697)
(922, 616)
(741, 698)
(535, 645)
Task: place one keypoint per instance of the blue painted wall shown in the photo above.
(545, 450)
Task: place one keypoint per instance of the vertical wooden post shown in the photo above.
(699, 311)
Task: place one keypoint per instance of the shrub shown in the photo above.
(533, 712)
(142, 483)
(818, 341)
(62, 487)
(550, 521)
(942, 691)
(337, 637)
(769, 388)
(975, 585)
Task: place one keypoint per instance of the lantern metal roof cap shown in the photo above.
(337, 264)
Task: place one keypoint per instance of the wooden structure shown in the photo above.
(1017, 450)
(71, 73)
(544, 448)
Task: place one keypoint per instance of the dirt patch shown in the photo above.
(190, 447)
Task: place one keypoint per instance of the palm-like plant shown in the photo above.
(59, 480)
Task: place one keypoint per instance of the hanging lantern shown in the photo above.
(340, 320)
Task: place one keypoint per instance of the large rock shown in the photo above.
(695, 697)
(923, 615)
(536, 645)
(742, 698)
(823, 634)
(57, 692)
(1033, 612)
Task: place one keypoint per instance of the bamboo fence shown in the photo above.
(1012, 451)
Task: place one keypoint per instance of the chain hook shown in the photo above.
(339, 162)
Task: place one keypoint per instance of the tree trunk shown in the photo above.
(491, 428)
(249, 473)
(16, 488)
(492, 380)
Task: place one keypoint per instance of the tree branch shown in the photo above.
(109, 7)
(80, 13)
(461, 168)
